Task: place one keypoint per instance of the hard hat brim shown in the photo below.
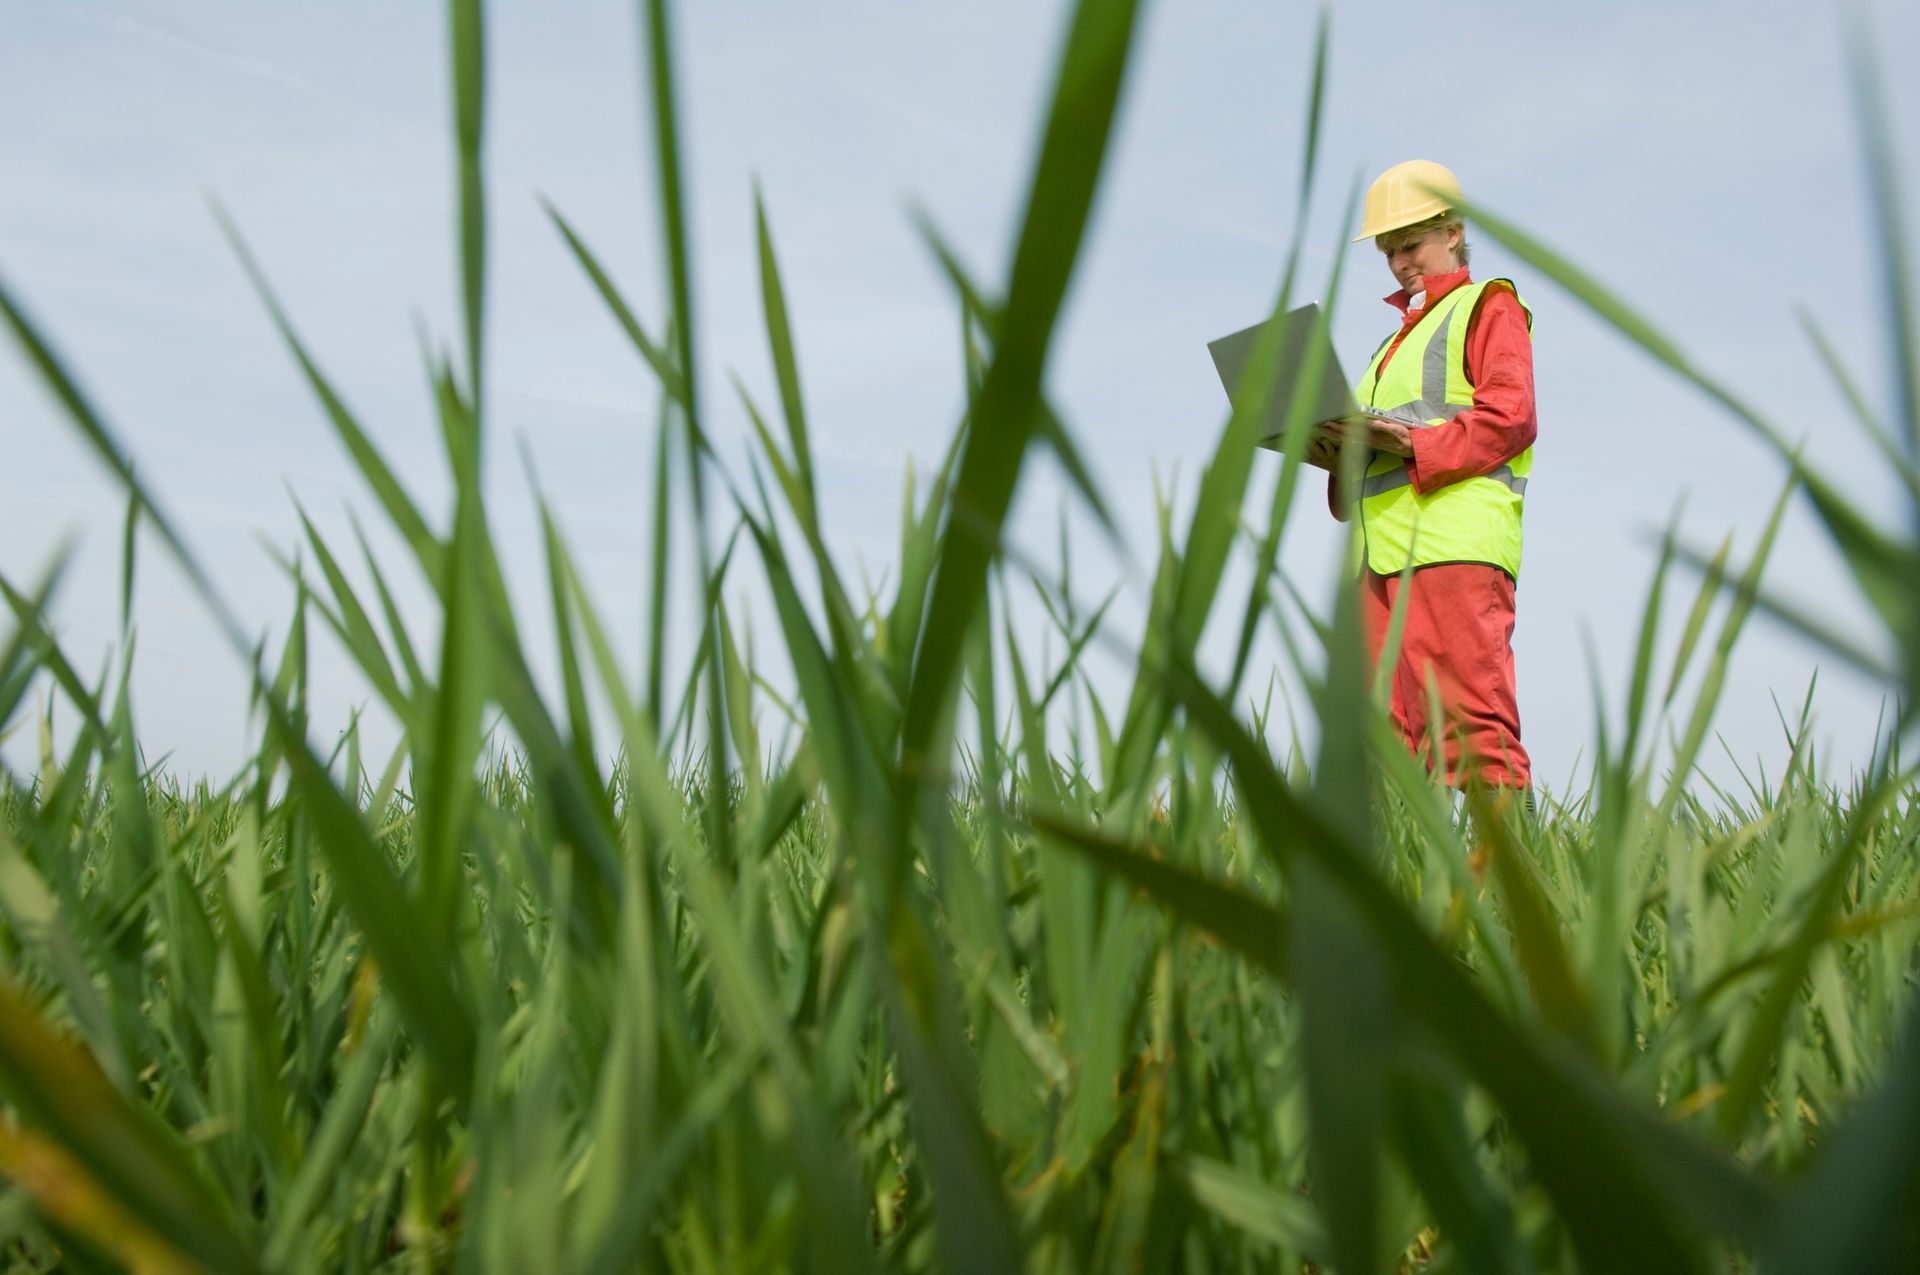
(1412, 217)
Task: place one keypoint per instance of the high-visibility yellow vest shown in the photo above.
(1474, 520)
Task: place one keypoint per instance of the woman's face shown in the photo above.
(1411, 256)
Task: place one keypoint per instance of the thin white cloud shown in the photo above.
(173, 42)
(118, 23)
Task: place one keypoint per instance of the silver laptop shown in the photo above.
(1302, 333)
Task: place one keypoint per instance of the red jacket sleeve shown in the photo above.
(1501, 423)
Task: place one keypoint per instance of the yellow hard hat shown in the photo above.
(1408, 193)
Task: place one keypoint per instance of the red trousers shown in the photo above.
(1459, 633)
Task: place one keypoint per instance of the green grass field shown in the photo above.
(856, 958)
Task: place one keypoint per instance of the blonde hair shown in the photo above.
(1445, 221)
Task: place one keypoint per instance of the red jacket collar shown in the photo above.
(1436, 285)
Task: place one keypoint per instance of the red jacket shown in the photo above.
(1501, 423)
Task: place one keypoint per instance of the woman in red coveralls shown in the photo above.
(1450, 507)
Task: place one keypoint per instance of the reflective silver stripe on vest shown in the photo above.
(1395, 479)
(1433, 366)
(1432, 404)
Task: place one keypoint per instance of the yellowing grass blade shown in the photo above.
(125, 1163)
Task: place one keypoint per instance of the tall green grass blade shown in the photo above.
(91, 425)
(1890, 225)
(403, 646)
(1076, 646)
(1687, 750)
(452, 747)
(659, 571)
(1086, 95)
(786, 367)
(1316, 99)
(655, 354)
(842, 626)
(560, 590)
(919, 555)
(847, 765)
(1146, 713)
(1900, 462)
(1713, 574)
(1643, 657)
(355, 629)
(468, 37)
(976, 309)
(128, 526)
(740, 721)
(573, 798)
(677, 256)
(672, 202)
(393, 497)
(33, 636)
(1345, 987)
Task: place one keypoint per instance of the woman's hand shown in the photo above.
(1323, 449)
(1380, 434)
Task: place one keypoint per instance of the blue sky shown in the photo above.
(1702, 159)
